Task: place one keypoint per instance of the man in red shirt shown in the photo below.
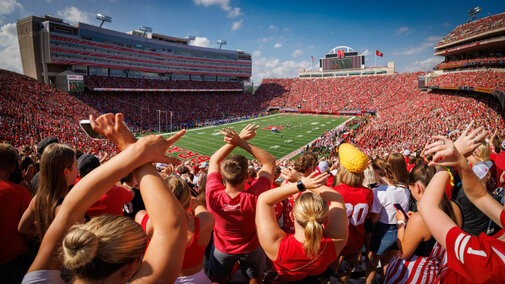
(234, 209)
(14, 199)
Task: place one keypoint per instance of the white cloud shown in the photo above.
(423, 65)
(403, 30)
(277, 45)
(271, 67)
(236, 25)
(366, 52)
(272, 27)
(7, 7)
(265, 39)
(428, 42)
(10, 58)
(233, 12)
(74, 15)
(297, 53)
(201, 41)
(257, 53)
(286, 29)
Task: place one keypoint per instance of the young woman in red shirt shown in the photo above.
(320, 229)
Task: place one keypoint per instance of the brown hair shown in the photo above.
(97, 249)
(304, 161)
(52, 184)
(350, 179)
(423, 174)
(180, 189)
(202, 185)
(399, 167)
(310, 211)
(8, 156)
(234, 169)
(385, 170)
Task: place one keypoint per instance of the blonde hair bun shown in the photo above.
(79, 247)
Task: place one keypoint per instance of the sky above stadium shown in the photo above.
(280, 35)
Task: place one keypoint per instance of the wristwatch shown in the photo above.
(300, 186)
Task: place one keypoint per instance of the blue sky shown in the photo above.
(281, 35)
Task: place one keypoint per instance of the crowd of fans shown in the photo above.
(474, 28)
(485, 78)
(143, 83)
(472, 63)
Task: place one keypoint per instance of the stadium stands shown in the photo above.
(487, 79)
(474, 28)
(471, 63)
(139, 83)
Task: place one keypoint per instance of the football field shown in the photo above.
(200, 143)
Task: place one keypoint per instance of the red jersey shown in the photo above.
(235, 227)
(292, 264)
(358, 201)
(14, 199)
(288, 224)
(278, 207)
(415, 269)
(473, 259)
(110, 203)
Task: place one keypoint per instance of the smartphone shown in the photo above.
(86, 126)
(399, 208)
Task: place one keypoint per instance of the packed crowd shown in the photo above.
(472, 63)
(142, 83)
(474, 28)
(485, 78)
(141, 216)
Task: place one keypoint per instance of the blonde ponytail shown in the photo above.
(79, 247)
(310, 211)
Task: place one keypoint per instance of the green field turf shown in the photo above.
(205, 141)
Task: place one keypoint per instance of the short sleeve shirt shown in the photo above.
(478, 259)
(384, 197)
(110, 203)
(235, 227)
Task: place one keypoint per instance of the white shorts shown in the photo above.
(196, 278)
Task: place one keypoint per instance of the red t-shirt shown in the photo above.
(495, 171)
(278, 207)
(14, 199)
(478, 259)
(292, 264)
(111, 202)
(235, 228)
(358, 201)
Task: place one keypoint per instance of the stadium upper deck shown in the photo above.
(49, 46)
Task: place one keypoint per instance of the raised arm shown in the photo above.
(269, 232)
(247, 133)
(448, 155)
(265, 158)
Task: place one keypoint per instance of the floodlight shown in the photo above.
(472, 13)
(146, 29)
(104, 19)
(221, 43)
(190, 38)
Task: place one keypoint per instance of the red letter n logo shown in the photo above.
(340, 53)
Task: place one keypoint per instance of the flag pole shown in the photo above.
(375, 64)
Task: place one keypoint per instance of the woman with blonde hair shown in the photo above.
(58, 171)
(200, 225)
(320, 229)
(112, 249)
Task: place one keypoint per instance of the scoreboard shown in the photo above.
(342, 60)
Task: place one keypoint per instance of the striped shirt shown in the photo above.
(415, 269)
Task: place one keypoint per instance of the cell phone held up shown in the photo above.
(86, 126)
(399, 208)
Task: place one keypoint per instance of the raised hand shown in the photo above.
(249, 131)
(468, 141)
(113, 127)
(290, 175)
(231, 137)
(311, 182)
(445, 153)
(153, 149)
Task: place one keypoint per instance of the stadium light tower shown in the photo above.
(145, 30)
(104, 19)
(221, 43)
(190, 38)
(472, 13)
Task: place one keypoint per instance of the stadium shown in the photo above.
(162, 84)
